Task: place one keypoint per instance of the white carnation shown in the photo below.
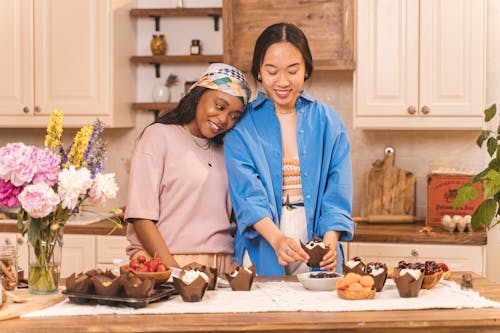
(72, 185)
(104, 188)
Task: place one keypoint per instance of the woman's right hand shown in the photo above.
(288, 250)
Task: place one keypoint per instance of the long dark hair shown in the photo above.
(276, 33)
(185, 112)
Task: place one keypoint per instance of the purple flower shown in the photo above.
(8, 194)
(48, 165)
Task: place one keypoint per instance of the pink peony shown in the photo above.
(38, 200)
(17, 164)
(8, 194)
(47, 164)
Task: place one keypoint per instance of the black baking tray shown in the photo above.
(162, 292)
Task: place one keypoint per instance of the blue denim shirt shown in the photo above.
(253, 153)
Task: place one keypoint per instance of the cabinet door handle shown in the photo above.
(426, 109)
(26, 110)
(411, 110)
(38, 109)
(414, 253)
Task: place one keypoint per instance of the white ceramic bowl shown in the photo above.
(316, 283)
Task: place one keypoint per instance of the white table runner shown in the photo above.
(287, 296)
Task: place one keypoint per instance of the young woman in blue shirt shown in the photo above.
(288, 163)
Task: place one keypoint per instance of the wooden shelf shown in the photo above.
(177, 59)
(153, 106)
(176, 12)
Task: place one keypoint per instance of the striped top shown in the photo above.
(291, 174)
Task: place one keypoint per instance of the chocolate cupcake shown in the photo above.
(408, 281)
(136, 287)
(378, 271)
(316, 249)
(191, 284)
(241, 278)
(107, 284)
(355, 265)
(80, 283)
(209, 271)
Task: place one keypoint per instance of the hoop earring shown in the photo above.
(259, 78)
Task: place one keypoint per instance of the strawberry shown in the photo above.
(133, 264)
(161, 268)
(443, 266)
(153, 264)
(141, 259)
(142, 268)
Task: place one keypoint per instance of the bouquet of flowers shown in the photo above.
(51, 184)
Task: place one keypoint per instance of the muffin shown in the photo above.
(355, 265)
(136, 287)
(79, 283)
(355, 287)
(241, 278)
(191, 284)
(209, 271)
(378, 271)
(107, 284)
(409, 278)
(316, 249)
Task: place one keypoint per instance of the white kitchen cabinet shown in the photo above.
(111, 248)
(78, 254)
(71, 55)
(420, 64)
(457, 257)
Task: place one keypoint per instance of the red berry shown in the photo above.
(161, 268)
(141, 259)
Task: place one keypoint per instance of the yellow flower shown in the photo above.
(54, 131)
(80, 144)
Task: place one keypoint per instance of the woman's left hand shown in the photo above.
(329, 261)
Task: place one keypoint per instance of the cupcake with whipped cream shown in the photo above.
(211, 272)
(409, 278)
(354, 265)
(316, 249)
(191, 284)
(378, 271)
(241, 278)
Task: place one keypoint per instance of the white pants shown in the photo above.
(293, 224)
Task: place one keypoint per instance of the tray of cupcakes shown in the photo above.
(135, 287)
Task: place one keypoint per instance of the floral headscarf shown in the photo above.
(225, 78)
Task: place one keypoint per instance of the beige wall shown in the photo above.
(417, 151)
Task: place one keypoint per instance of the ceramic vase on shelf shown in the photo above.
(161, 93)
(44, 267)
(158, 45)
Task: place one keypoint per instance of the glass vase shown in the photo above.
(44, 267)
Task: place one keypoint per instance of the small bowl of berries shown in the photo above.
(319, 280)
(147, 269)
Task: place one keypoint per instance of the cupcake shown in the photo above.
(107, 284)
(355, 265)
(241, 278)
(432, 274)
(209, 271)
(79, 283)
(378, 271)
(409, 279)
(191, 284)
(316, 249)
(136, 287)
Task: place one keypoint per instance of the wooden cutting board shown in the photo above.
(387, 190)
(35, 302)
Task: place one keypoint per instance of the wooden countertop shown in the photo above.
(365, 232)
(433, 320)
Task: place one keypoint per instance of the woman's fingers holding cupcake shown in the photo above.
(288, 251)
(329, 261)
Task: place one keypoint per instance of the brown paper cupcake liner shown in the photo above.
(358, 269)
(243, 281)
(407, 285)
(380, 280)
(209, 271)
(316, 255)
(80, 283)
(192, 292)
